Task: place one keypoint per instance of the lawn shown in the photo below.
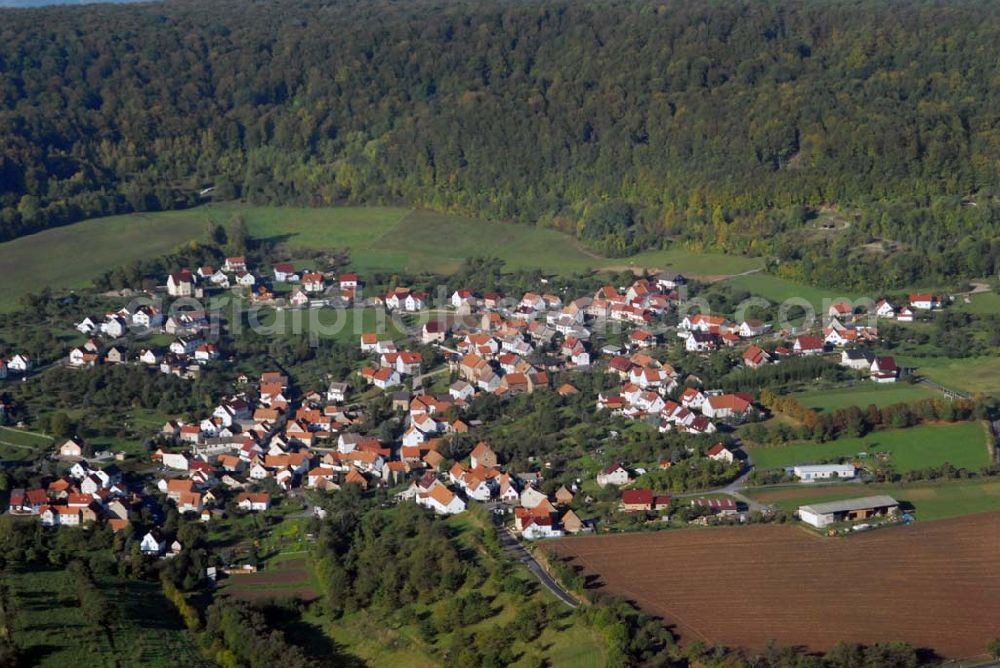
(864, 394)
(962, 444)
(778, 290)
(969, 374)
(935, 501)
(379, 238)
(50, 629)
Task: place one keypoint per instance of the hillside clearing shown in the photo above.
(378, 238)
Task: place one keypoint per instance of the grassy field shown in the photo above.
(777, 290)
(935, 501)
(379, 238)
(346, 325)
(864, 394)
(19, 445)
(71, 256)
(983, 303)
(962, 445)
(50, 630)
(969, 374)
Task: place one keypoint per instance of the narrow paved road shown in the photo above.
(514, 548)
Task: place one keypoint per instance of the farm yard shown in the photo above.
(863, 395)
(780, 582)
(928, 501)
(962, 445)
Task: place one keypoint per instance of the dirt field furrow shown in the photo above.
(935, 585)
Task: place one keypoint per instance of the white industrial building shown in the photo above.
(812, 472)
(820, 515)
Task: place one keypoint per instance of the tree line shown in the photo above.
(854, 143)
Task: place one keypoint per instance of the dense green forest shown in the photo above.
(854, 141)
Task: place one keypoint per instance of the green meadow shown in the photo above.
(863, 395)
(962, 445)
(778, 290)
(378, 238)
(968, 374)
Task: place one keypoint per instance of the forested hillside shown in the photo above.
(729, 126)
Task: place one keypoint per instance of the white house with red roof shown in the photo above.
(727, 406)
(615, 474)
(884, 309)
(235, 264)
(809, 345)
(180, 284)
(924, 301)
(884, 370)
(721, 453)
(441, 500)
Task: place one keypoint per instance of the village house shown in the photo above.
(734, 407)
(924, 301)
(884, 370)
(254, 502)
(434, 331)
(755, 357)
(857, 358)
(721, 506)
(284, 272)
(313, 282)
(809, 345)
(71, 449)
(20, 363)
(721, 453)
(884, 309)
(637, 500)
(235, 264)
(180, 284)
(483, 455)
(441, 500)
(615, 474)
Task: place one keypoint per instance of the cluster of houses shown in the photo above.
(308, 288)
(262, 438)
(649, 392)
(641, 499)
(82, 495)
(394, 365)
(706, 333)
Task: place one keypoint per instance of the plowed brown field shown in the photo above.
(935, 585)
